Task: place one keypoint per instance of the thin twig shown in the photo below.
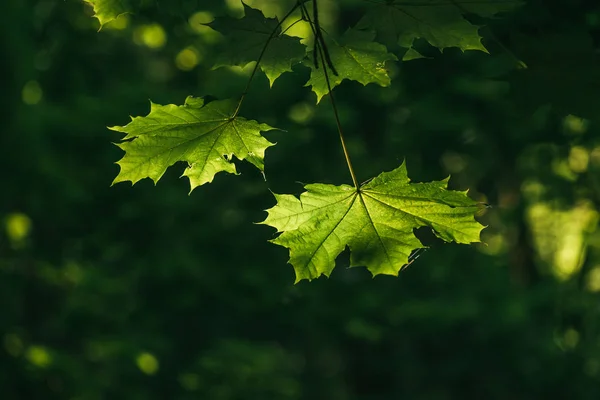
(316, 50)
(335, 112)
(291, 25)
(262, 53)
(321, 40)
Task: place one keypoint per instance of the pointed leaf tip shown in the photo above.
(106, 11)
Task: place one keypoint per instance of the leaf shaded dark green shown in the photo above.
(246, 37)
(440, 22)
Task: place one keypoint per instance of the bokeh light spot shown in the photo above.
(579, 159)
(236, 7)
(147, 363)
(189, 381)
(73, 273)
(187, 59)
(595, 156)
(593, 279)
(301, 113)
(453, 162)
(18, 228)
(559, 235)
(32, 93)
(571, 338)
(495, 243)
(38, 356)
(152, 36)
(575, 125)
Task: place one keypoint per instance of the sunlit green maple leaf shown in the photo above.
(440, 22)
(108, 10)
(375, 221)
(246, 37)
(356, 57)
(206, 136)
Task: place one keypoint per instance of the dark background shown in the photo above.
(147, 293)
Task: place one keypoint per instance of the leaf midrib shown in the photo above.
(428, 222)
(354, 194)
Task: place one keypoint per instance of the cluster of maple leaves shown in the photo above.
(375, 220)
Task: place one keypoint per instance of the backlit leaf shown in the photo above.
(107, 10)
(356, 57)
(203, 135)
(376, 222)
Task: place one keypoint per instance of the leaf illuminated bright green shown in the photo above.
(107, 10)
(440, 22)
(204, 136)
(376, 222)
(356, 57)
(246, 37)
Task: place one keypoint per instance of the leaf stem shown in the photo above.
(339, 125)
(325, 62)
(262, 53)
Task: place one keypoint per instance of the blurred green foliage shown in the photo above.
(148, 293)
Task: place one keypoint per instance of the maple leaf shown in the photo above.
(108, 10)
(375, 221)
(246, 37)
(356, 57)
(440, 22)
(206, 136)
